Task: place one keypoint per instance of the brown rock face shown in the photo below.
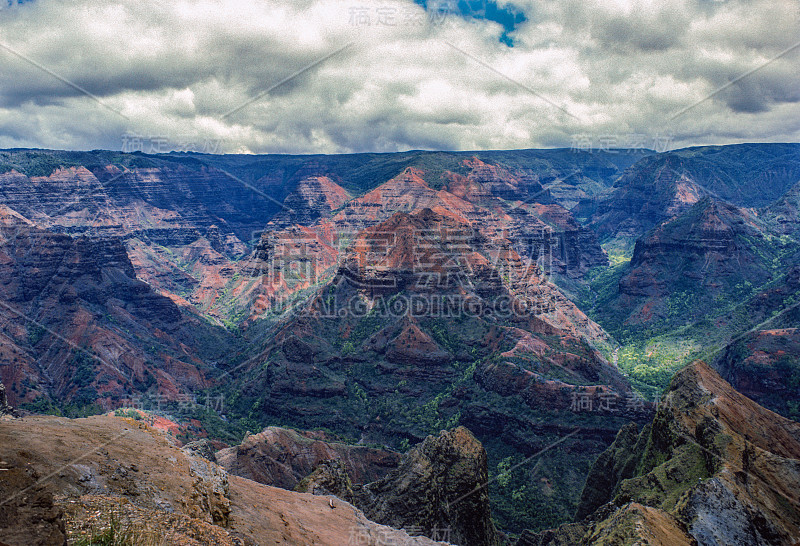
(313, 198)
(403, 286)
(430, 253)
(485, 180)
(329, 478)
(413, 346)
(282, 457)
(439, 489)
(28, 515)
(540, 230)
(157, 492)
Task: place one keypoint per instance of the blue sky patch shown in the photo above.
(508, 16)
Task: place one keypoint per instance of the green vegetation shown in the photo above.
(84, 405)
(650, 364)
(45, 162)
(700, 312)
(619, 250)
(130, 413)
(665, 473)
(35, 333)
(534, 493)
(116, 532)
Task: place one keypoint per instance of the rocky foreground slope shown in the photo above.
(713, 468)
(439, 484)
(5, 407)
(436, 489)
(65, 479)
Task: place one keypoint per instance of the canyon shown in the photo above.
(334, 324)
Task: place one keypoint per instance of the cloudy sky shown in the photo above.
(307, 76)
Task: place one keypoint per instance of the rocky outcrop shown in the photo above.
(615, 464)
(201, 448)
(406, 192)
(632, 523)
(314, 197)
(116, 469)
(543, 231)
(329, 478)
(211, 491)
(283, 457)
(438, 488)
(716, 468)
(494, 180)
(5, 408)
(28, 514)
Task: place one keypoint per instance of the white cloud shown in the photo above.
(175, 68)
